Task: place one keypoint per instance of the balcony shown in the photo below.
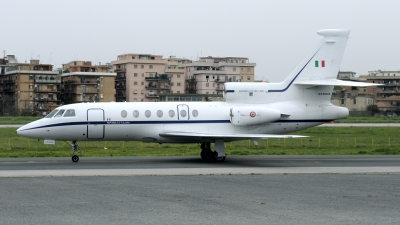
(120, 86)
(191, 80)
(158, 78)
(118, 77)
(220, 89)
(220, 81)
(38, 80)
(120, 95)
(45, 90)
(9, 89)
(119, 70)
(45, 100)
(157, 88)
(151, 95)
(388, 92)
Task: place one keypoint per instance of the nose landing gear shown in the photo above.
(74, 148)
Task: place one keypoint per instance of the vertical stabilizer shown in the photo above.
(322, 63)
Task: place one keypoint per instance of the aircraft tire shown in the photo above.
(75, 158)
(206, 154)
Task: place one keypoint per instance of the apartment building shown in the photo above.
(390, 81)
(28, 88)
(84, 82)
(208, 75)
(143, 77)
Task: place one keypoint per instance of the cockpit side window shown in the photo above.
(59, 114)
(52, 113)
(69, 113)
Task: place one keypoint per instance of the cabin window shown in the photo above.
(124, 114)
(69, 113)
(147, 113)
(171, 113)
(59, 114)
(159, 113)
(52, 113)
(195, 113)
(136, 114)
(183, 113)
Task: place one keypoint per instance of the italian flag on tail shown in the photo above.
(319, 63)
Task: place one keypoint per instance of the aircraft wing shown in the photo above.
(335, 82)
(180, 134)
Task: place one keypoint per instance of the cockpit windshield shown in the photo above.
(52, 113)
(70, 113)
(59, 114)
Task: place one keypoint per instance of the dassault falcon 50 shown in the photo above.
(250, 111)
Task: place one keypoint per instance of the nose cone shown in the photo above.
(31, 130)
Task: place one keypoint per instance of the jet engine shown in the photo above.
(248, 115)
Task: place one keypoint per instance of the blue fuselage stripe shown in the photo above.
(162, 122)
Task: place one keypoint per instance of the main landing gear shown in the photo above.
(218, 154)
(74, 148)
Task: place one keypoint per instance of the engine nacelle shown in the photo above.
(249, 115)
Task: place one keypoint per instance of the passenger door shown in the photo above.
(183, 112)
(95, 127)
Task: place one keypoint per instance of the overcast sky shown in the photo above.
(275, 34)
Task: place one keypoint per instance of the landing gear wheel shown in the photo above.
(206, 154)
(219, 159)
(75, 158)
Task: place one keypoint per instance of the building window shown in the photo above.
(142, 83)
(141, 66)
(355, 101)
(248, 77)
(150, 66)
(135, 74)
(135, 83)
(178, 75)
(207, 84)
(135, 66)
(248, 69)
(171, 76)
(234, 69)
(142, 74)
(179, 84)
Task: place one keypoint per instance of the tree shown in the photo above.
(373, 108)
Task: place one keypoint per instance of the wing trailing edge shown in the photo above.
(178, 134)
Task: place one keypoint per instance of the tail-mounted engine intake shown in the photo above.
(245, 116)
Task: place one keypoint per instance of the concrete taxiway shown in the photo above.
(185, 190)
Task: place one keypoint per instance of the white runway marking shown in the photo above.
(198, 171)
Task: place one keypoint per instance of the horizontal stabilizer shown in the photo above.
(335, 82)
(238, 136)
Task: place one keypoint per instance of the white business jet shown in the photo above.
(251, 110)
